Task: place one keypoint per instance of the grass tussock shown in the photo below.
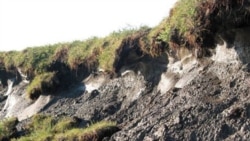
(43, 83)
(7, 59)
(181, 28)
(181, 18)
(35, 59)
(8, 128)
(94, 132)
(110, 45)
(48, 128)
(79, 52)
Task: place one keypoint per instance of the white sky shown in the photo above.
(29, 23)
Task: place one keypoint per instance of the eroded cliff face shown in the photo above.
(195, 99)
(178, 95)
(154, 99)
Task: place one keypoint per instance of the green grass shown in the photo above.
(108, 51)
(186, 24)
(41, 83)
(64, 124)
(79, 51)
(93, 52)
(181, 18)
(196, 23)
(114, 41)
(8, 59)
(90, 132)
(7, 127)
(34, 60)
(101, 50)
(48, 128)
(37, 60)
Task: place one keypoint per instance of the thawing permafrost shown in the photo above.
(9, 105)
(178, 74)
(18, 105)
(126, 72)
(168, 80)
(94, 82)
(15, 103)
(34, 108)
(186, 79)
(90, 87)
(10, 102)
(137, 95)
(225, 55)
(24, 77)
(10, 85)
